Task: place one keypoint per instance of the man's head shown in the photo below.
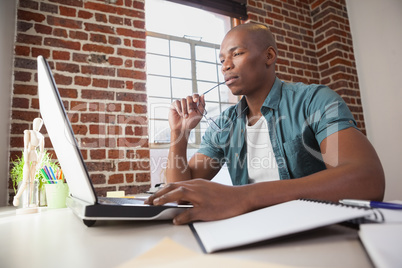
(248, 56)
(259, 32)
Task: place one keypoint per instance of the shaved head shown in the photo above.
(259, 32)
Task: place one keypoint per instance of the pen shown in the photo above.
(370, 204)
(45, 175)
(48, 174)
(53, 176)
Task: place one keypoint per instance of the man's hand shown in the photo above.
(185, 114)
(210, 200)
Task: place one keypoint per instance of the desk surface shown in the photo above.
(59, 237)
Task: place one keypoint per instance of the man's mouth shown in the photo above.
(230, 79)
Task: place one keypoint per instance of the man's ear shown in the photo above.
(271, 55)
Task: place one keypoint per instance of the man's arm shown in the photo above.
(184, 115)
(353, 171)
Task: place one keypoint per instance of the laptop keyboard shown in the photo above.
(120, 201)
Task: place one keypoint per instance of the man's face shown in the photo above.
(243, 63)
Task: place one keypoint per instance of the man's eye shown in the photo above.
(222, 61)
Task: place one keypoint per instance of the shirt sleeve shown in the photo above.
(210, 145)
(328, 113)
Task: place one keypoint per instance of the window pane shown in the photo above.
(180, 49)
(181, 68)
(212, 110)
(158, 65)
(168, 17)
(159, 131)
(205, 54)
(212, 95)
(158, 86)
(206, 71)
(157, 45)
(158, 108)
(181, 88)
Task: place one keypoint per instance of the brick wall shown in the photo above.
(97, 52)
(315, 45)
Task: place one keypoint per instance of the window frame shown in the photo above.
(194, 81)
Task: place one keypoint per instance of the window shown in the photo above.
(182, 58)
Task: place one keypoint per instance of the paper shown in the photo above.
(115, 194)
(168, 254)
(272, 222)
(383, 243)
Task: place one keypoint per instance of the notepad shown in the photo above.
(383, 243)
(273, 222)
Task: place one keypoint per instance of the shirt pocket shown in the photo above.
(299, 160)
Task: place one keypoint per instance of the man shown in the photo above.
(317, 150)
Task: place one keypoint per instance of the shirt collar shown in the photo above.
(272, 100)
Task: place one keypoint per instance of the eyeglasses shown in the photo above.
(209, 120)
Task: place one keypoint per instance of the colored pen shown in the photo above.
(44, 174)
(370, 204)
(51, 170)
(48, 174)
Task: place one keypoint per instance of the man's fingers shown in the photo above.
(185, 217)
(191, 105)
(176, 105)
(178, 194)
(184, 107)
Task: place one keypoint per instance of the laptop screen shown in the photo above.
(62, 136)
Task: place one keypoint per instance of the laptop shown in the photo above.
(82, 199)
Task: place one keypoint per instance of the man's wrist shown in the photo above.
(179, 136)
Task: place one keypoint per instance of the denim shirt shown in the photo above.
(299, 118)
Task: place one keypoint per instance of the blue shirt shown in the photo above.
(299, 118)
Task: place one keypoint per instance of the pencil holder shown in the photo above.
(56, 195)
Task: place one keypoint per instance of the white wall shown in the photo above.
(377, 41)
(7, 33)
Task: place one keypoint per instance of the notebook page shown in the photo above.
(271, 222)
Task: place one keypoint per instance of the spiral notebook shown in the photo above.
(275, 221)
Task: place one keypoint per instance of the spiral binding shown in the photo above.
(376, 217)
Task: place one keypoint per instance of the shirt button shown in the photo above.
(350, 122)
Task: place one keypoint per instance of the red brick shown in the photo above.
(82, 81)
(28, 16)
(142, 177)
(97, 94)
(85, 14)
(100, 83)
(75, 3)
(98, 70)
(22, 76)
(80, 129)
(115, 154)
(115, 61)
(78, 35)
(62, 79)
(98, 178)
(67, 67)
(53, 42)
(98, 154)
(131, 74)
(130, 33)
(29, 39)
(97, 129)
(90, 27)
(116, 178)
(61, 55)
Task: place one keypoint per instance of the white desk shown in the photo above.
(56, 238)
